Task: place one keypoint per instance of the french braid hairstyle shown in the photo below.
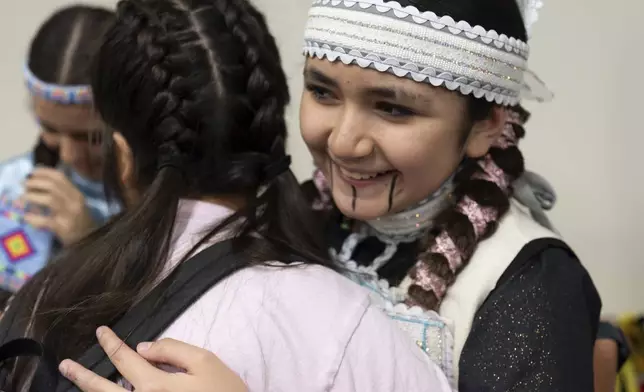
(196, 89)
(481, 197)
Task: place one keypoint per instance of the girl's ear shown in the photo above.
(485, 132)
(125, 168)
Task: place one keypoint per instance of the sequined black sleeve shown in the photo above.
(536, 330)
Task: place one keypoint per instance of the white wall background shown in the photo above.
(586, 142)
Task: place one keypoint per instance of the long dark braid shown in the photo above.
(481, 198)
(248, 27)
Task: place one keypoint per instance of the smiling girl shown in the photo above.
(410, 111)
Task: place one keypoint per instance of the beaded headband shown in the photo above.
(385, 36)
(67, 95)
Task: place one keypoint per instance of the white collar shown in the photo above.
(410, 224)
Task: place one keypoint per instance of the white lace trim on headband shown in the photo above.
(423, 47)
(464, 85)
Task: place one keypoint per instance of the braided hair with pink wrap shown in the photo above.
(481, 198)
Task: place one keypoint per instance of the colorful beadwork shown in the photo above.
(68, 95)
(16, 245)
(24, 250)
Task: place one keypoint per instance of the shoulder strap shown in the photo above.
(47, 367)
(8, 324)
(151, 316)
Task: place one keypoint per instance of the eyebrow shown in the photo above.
(315, 75)
(394, 94)
(391, 93)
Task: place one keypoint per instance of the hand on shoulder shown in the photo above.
(204, 372)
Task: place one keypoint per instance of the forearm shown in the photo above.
(605, 365)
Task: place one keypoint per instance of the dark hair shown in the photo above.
(502, 16)
(477, 191)
(197, 90)
(61, 53)
(62, 50)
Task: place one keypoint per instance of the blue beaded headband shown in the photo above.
(67, 95)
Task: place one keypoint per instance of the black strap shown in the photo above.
(11, 326)
(20, 347)
(151, 316)
(47, 368)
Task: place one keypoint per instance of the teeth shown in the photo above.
(360, 176)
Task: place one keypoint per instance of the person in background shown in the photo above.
(53, 195)
(631, 375)
(611, 352)
(619, 354)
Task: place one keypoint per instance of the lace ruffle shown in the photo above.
(434, 77)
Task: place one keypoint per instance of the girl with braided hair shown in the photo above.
(411, 112)
(193, 97)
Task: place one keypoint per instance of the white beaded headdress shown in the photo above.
(425, 47)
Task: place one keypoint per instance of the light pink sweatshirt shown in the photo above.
(302, 329)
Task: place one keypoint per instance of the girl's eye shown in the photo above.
(319, 93)
(394, 110)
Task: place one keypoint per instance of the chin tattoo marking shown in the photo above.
(392, 189)
(353, 202)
